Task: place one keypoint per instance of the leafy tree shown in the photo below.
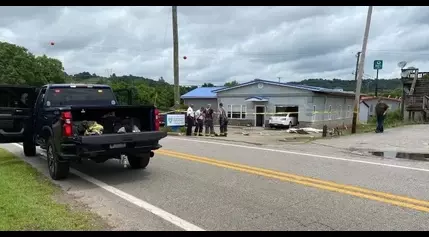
(50, 70)
(231, 83)
(207, 85)
(20, 67)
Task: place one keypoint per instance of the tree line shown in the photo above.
(18, 66)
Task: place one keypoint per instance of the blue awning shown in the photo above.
(256, 99)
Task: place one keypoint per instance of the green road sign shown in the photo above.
(378, 64)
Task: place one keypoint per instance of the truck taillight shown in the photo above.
(156, 120)
(67, 126)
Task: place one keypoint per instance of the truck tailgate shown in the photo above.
(119, 138)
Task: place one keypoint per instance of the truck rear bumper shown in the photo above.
(110, 145)
(75, 152)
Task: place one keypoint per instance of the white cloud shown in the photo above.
(221, 43)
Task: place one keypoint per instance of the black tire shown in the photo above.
(29, 148)
(57, 170)
(140, 161)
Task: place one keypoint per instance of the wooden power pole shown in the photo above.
(360, 69)
(176, 58)
(357, 65)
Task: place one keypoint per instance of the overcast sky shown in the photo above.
(222, 43)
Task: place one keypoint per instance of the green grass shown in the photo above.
(393, 119)
(169, 129)
(27, 201)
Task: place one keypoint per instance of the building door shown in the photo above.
(260, 116)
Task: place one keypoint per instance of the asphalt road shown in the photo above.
(198, 184)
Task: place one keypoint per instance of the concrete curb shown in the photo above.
(174, 134)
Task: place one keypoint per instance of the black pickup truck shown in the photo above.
(57, 116)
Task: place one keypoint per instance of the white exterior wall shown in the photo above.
(363, 113)
(341, 112)
(284, 96)
(270, 106)
(393, 105)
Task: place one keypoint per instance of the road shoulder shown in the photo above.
(30, 201)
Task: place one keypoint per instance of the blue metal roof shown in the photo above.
(291, 85)
(202, 92)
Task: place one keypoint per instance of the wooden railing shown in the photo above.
(425, 103)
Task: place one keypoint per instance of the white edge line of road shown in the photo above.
(304, 154)
(138, 202)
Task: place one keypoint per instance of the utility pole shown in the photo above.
(360, 69)
(376, 85)
(176, 58)
(357, 64)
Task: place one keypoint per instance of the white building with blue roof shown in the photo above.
(256, 101)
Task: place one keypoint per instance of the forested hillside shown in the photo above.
(19, 66)
(350, 85)
(386, 87)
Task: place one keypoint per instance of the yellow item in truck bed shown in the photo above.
(94, 129)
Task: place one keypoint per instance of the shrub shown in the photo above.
(166, 129)
(393, 118)
(182, 129)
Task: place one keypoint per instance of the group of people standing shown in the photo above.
(204, 117)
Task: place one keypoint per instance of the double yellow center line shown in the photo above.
(401, 201)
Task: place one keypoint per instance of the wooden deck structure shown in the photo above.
(415, 98)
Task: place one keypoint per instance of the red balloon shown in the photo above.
(184, 57)
(52, 43)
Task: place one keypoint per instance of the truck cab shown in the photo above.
(16, 105)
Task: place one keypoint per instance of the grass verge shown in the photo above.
(393, 119)
(27, 201)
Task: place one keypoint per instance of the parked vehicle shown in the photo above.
(73, 122)
(283, 121)
(15, 111)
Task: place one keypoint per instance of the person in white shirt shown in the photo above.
(190, 120)
(199, 122)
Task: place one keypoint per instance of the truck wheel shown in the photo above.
(139, 161)
(57, 170)
(29, 148)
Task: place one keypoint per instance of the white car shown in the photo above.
(283, 121)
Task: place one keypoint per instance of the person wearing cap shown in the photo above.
(208, 121)
(380, 111)
(190, 120)
(223, 121)
(199, 122)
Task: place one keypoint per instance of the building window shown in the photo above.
(330, 112)
(313, 118)
(340, 111)
(348, 111)
(237, 111)
(243, 111)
